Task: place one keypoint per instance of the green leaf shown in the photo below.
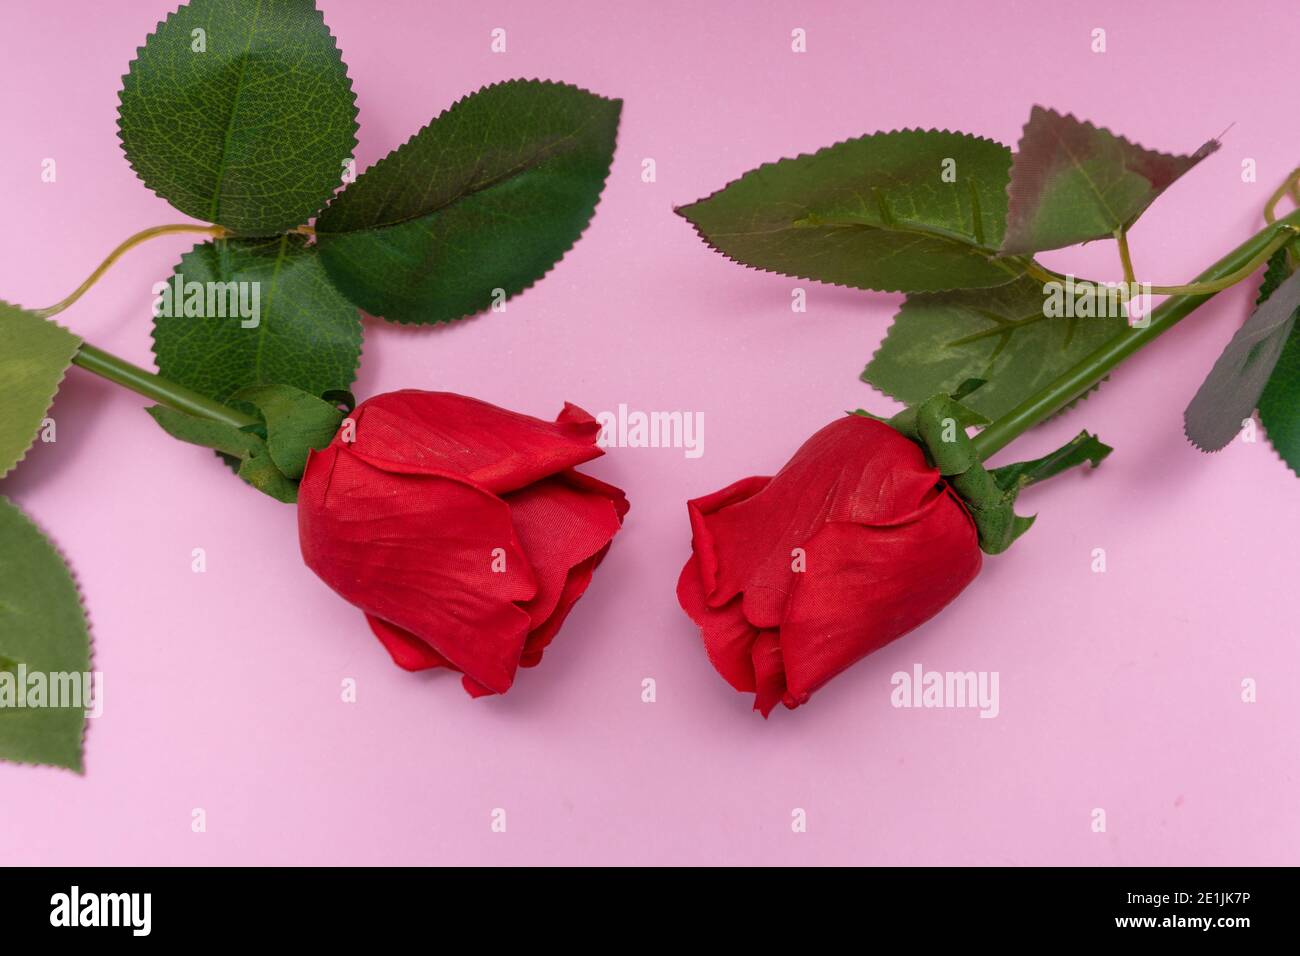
(1002, 335)
(1084, 447)
(296, 423)
(250, 131)
(42, 632)
(1235, 384)
(260, 472)
(1279, 404)
(281, 323)
(1072, 182)
(1275, 272)
(876, 212)
(991, 507)
(218, 436)
(34, 355)
(487, 197)
(251, 458)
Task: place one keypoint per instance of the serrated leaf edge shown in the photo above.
(679, 210)
(361, 329)
(862, 377)
(1201, 152)
(53, 395)
(1260, 299)
(569, 248)
(352, 97)
(80, 771)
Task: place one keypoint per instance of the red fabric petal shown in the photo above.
(855, 469)
(418, 551)
(700, 510)
(408, 651)
(867, 586)
(853, 543)
(560, 523)
(440, 433)
(575, 586)
(459, 528)
(728, 637)
(474, 688)
(769, 672)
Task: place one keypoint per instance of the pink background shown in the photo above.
(1118, 690)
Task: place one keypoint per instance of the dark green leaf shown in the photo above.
(478, 205)
(304, 333)
(1275, 273)
(939, 425)
(296, 423)
(1083, 448)
(1072, 182)
(907, 211)
(218, 436)
(34, 355)
(246, 451)
(1279, 404)
(250, 132)
(1002, 335)
(1233, 388)
(42, 631)
(260, 472)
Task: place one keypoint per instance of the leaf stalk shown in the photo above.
(1090, 370)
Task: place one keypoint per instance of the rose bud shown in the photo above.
(459, 528)
(855, 542)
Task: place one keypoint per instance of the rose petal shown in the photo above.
(866, 586)
(408, 651)
(769, 672)
(440, 433)
(728, 637)
(560, 523)
(855, 469)
(418, 552)
(700, 510)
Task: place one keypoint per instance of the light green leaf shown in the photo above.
(478, 205)
(261, 472)
(246, 451)
(907, 211)
(296, 423)
(240, 112)
(34, 355)
(1072, 182)
(1083, 448)
(281, 321)
(218, 436)
(1002, 335)
(42, 632)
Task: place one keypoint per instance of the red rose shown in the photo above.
(459, 528)
(856, 541)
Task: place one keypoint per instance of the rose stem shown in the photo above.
(124, 247)
(1090, 370)
(130, 242)
(156, 387)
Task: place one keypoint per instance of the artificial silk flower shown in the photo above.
(871, 529)
(853, 543)
(460, 529)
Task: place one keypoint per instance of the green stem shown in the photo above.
(1093, 368)
(123, 247)
(159, 389)
(1288, 187)
(1208, 287)
(1125, 257)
